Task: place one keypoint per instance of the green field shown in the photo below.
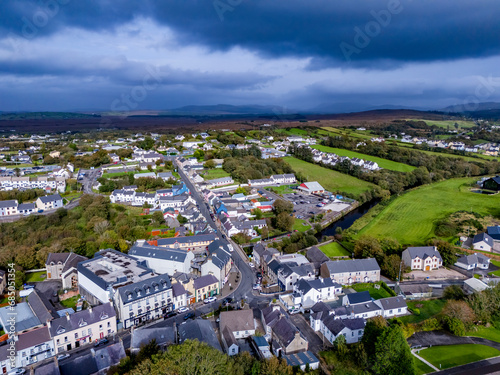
(215, 173)
(374, 293)
(428, 309)
(331, 180)
(497, 272)
(447, 123)
(116, 175)
(410, 218)
(299, 225)
(455, 355)
(383, 163)
(334, 249)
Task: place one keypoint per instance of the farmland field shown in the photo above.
(410, 218)
(446, 123)
(351, 133)
(383, 163)
(331, 180)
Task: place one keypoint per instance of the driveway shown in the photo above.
(439, 274)
(439, 338)
(315, 342)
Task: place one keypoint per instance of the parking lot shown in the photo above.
(305, 205)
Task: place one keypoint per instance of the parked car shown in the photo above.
(251, 265)
(170, 314)
(100, 342)
(183, 309)
(210, 300)
(256, 286)
(17, 371)
(189, 315)
(61, 357)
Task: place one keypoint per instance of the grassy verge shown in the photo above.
(421, 368)
(427, 309)
(410, 217)
(331, 180)
(491, 333)
(382, 163)
(455, 355)
(70, 302)
(285, 189)
(334, 249)
(35, 277)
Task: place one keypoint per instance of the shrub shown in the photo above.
(416, 311)
(431, 324)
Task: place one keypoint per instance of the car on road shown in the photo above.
(251, 265)
(183, 309)
(210, 300)
(256, 286)
(170, 314)
(17, 371)
(61, 357)
(100, 342)
(189, 315)
(226, 301)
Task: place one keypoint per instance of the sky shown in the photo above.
(125, 55)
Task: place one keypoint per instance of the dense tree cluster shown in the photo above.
(251, 167)
(21, 196)
(94, 225)
(193, 357)
(95, 160)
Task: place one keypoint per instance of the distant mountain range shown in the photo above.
(472, 107)
(227, 109)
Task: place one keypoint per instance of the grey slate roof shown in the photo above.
(140, 289)
(25, 318)
(162, 335)
(150, 251)
(352, 265)
(316, 256)
(204, 281)
(39, 307)
(360, 297)
(473, 259)
(201, 330)
(48, 369)
(391, 303)
(483, 237)
(306, 285)
(178, 289)
(285, 331)
(75, 321)
(26, 206)
(32, 338)
(301, 359)
(423, 252)
(79, 365)
(50, 198)
(7, 204)
(109, 355)
(363, 308)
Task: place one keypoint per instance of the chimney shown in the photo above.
(90, 309)
(67, 316)
(48, 323)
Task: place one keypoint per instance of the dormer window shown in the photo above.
(129, 296)
(60, 330)
(104, 315)
(82, 323)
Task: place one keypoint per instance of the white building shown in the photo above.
(422, 258)
(163, 260)
(49, 202)
(8, 208)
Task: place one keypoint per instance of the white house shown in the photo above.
(8, 208)
(482, 241)
(219, 182)
(163, 260)
(351, 329)
(234, 325)
(313, 291)
(49, 202)
(33, 346)
(473, 261)
(392, 306)
(311, 188)
(422, 258)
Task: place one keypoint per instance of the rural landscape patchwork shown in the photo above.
(255, 188)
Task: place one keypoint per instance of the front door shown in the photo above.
(427, 268)
(101, 335)
(68, 347)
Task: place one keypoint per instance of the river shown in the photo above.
(347, 220)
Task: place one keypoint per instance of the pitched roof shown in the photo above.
(360, 297)
(7, 204)
(131, 292)
(109, 355)
(483, 237)
(315, 255)
(81, 318)
(156, 252)
(390, 303)
(423, 252)
(237, 320)
(32, 338)
(284, 331)
(39, 307)
(204, 281)
(201, 330)
(50, 198)
(352, 265)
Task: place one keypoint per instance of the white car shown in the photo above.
(256, 287)
(17, 371)
(209, 300)
(251, 265)
(183, 309)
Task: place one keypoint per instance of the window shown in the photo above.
(352, 333)
(90, 331)
(100, 327)
(130, 308)
(109, 324)
(58, 342)
(65, 338)
(76, 336)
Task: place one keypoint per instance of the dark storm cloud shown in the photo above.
(120, 71)
(331, 32)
